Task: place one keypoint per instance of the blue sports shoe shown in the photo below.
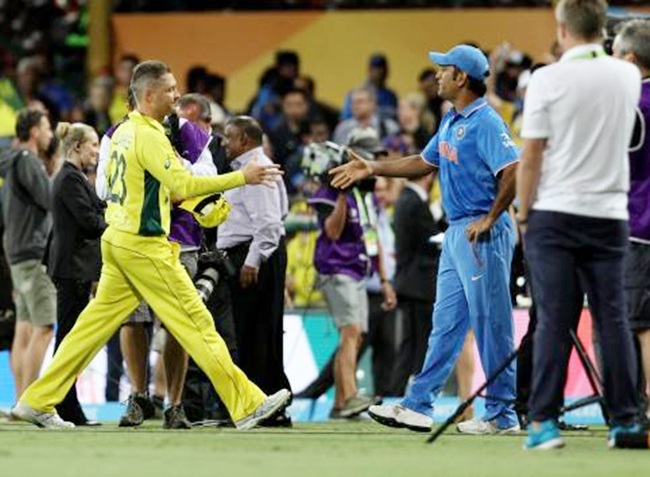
(614, 431)
(546, 436)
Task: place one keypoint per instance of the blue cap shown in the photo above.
(466, 58)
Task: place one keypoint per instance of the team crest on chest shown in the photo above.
(460, 132)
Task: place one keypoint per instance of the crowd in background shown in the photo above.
(292, 117)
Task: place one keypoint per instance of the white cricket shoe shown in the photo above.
(274, 403)
(479, 427)
(396, 415)
(46, 420)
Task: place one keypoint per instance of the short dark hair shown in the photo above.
(147, 72)
(200, 101)
(27, 119)
(294, 90)
(476, 86)
(287, 57)
(426, 73)
(249, 127)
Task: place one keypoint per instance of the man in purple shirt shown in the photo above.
(633, 44)
(347, 251)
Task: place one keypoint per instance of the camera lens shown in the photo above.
(206, 282)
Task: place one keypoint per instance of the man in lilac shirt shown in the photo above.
(633, 44)
(253, 238)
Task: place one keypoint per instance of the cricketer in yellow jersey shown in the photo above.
(140, 263)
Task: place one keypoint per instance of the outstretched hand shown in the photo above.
(256, 173)
(348, 174)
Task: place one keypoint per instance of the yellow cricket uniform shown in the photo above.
(140, 263)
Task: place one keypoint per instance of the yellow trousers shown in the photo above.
(145, 268)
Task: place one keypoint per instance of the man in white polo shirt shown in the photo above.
(572, 185)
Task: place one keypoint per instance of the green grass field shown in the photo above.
(353, 449)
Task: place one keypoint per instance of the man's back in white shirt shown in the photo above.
(585, 107)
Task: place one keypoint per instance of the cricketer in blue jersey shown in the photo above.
(476, 162)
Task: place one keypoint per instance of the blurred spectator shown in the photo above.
(53, 88)
(317, 108)
(96, 108)
(25, 209)
(275, 82)
(285, 137)
(119, 105)
(428, 84)
(301, 273)
(413, 134)
(364, 115)
(386, 99)
(196, 80)
(28, 81)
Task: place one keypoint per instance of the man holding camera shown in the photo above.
(572, 187)
(347, 251)
(253, 238)
(477, 162)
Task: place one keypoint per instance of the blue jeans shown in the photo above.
(472, 290)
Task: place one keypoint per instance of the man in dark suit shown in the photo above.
(415, 277)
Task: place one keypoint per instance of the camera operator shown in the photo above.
(253, 238)
(633, 44)
(346, 250)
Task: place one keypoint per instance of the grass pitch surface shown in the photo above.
(344, 449)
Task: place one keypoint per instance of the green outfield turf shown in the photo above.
(353, 449)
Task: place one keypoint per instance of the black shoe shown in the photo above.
(282, 419)
(174, 418)
(148, 409)
(132, 416)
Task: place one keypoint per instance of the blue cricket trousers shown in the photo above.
(473, 290)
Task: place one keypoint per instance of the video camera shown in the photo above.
(213, 265)
(319, 158)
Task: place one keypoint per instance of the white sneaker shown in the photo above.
(46, 420)
(395, 415)
(479, 427)
(273, 404)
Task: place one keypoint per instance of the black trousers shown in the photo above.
(71, 298)
(259, 314)
(570, 255)
(412, 329)
(200, 399)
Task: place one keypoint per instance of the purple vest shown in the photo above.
(639, 198)
(347, 255)
(184, 228)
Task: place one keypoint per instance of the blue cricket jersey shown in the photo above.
(470, 149)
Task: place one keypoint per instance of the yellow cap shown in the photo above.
(208, 210)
